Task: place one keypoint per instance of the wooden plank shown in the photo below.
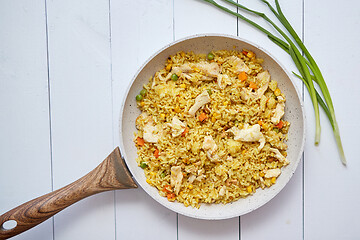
(196, 17)
(138, 29)
(25, 171)
(190, 18)
(82, 133)
(284, 213)
(331, 197)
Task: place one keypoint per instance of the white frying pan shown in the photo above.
(112, 172)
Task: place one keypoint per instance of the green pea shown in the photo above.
(276, 130)
(163, 174)
(210, 56)
(209, 91)
(174, 77)
(143, 165)
(139, 97)
(143, 92)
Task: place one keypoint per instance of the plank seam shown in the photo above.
(303, 154)
(49, 108)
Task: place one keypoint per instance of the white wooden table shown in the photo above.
(64, 68)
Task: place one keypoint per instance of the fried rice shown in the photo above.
(211, 128)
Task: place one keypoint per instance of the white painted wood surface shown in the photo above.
(64, 68)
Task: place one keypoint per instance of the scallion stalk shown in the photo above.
(303, 64)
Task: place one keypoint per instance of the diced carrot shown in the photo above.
(171, 197)
(140, 141)
(202, 117)
(253, 85)
(280, 125)
(156, 153)
(260, 123)
(242, 76)
(185, 132)
(167, 189)
(244, 52)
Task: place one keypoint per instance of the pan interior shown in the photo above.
(293, 113)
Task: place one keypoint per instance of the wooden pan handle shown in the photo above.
(111, 174)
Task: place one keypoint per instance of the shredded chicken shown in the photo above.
(279, 156)
(191, 178)
(210, 148)
(176, 178)
(278, 112)
(209, 144)
(200, 101)
(177, 127)
(238, 64)
(141, 120)
(152, 133)
(272, 173)
(209, 69)
(263, 80)
(223, 80)
(249, 134)
(222, 191)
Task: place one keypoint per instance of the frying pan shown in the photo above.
(113, 173)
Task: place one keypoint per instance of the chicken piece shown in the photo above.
(200, 101)
(278, 112)
(263, 101)
(201, 177)
(249, 134)
(209, 144)
(152, 133)
(141, 120)
(177, 127)
(223, 80)
(211, 70)
(176, 178)
(279, 156)
(238, 64)
(263, 80)
(210, 148)
(191, 178)
(190, 169)
(270, 173)
(222, 191)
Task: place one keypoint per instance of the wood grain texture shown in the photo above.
(111, 174)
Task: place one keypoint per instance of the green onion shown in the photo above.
(303, 64)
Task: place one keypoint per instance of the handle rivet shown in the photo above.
(9, 224)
